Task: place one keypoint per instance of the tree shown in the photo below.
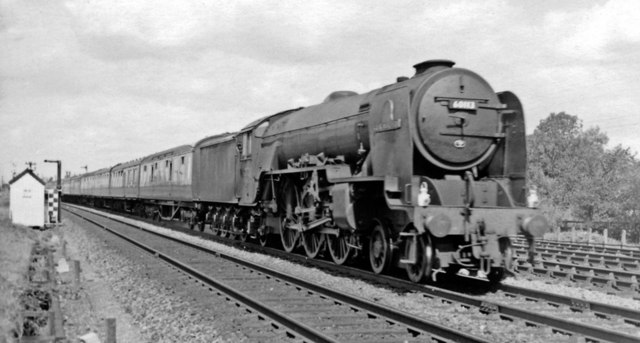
(575, 172)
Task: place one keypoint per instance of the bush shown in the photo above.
(15, 250)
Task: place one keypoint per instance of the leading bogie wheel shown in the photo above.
(424, 257)
(496, 274)
(507, 253)
(379, 248)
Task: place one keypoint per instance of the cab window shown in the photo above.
(246, 144)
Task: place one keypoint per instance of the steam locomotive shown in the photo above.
(425, 174)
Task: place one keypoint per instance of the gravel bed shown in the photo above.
(467, 320)
(562, 287)
(86, 309)
(163, 304)
(153, 312)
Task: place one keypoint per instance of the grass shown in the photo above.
(16, 242)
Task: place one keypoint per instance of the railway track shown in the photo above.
(597, 309)
(512, 303)
(311, 312)
(615, 273)
(630, 251)
(508, 304)
(608, 261)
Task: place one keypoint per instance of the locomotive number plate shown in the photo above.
(462, 104)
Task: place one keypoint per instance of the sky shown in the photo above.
(95, 83)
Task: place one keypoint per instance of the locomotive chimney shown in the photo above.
(432, 66)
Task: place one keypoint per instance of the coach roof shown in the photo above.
(215, 139)
(179, 150)
(121, 166)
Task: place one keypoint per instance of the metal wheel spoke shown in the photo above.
(290, 236)
(313, 243)
(339, 248)
(424, 258)
(379, 250)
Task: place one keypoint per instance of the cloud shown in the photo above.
(125, 29)
(134, 77)
(162, 23)
(591, 33)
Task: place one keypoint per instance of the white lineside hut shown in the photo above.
(26, 198)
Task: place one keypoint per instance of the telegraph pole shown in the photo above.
(58, 185)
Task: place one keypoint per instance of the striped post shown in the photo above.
(52, 206)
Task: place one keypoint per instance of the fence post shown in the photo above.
(111, 330)
(573, 234)
(76, 276)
